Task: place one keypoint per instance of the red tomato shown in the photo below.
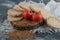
(27, 11)
(37, 17)
(27, 14)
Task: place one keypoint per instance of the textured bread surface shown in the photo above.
(18, 8)
(24, 23)
(24, 6)
(13, 12)
(14, 18)
(53, 22)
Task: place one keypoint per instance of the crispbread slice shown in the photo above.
(35, 8)
(16, 7)
(46, 14)
(24, 6)
(10, 18)
(53, 22)
(13, 12)
(24, 23)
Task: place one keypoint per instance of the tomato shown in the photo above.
(27, 14)
(37, 17)
(27, 11)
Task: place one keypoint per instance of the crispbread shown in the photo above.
(25, 23)
(13, 12)
(53, 22)
(35, 8)
(16, 7)
(10, 18)
(46, 14)
(24, 6)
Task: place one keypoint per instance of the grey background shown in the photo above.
(17, 1)
(45, 1)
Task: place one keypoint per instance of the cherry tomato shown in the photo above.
(27, 11)
(37, 17)
(27, 14)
